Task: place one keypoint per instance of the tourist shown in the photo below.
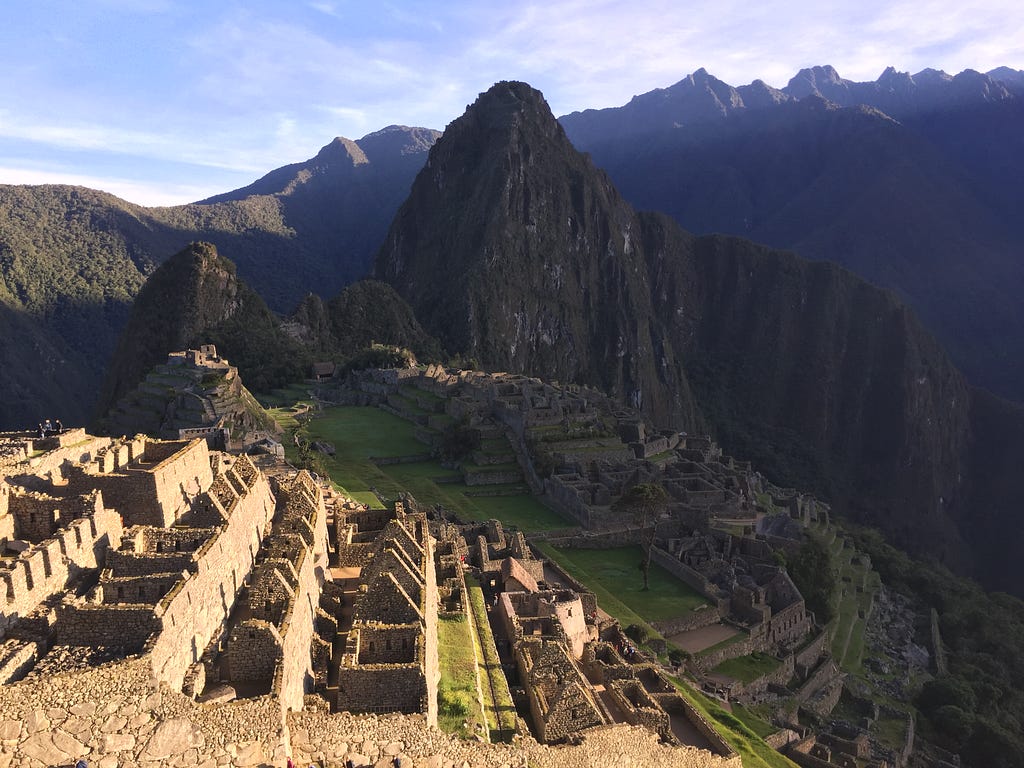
(40, 431)
(81, 764)
(58, 427)
(396, 762)
(48, 426)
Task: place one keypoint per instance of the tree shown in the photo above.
(643, 503)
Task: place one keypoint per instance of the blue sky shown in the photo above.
(167, 101)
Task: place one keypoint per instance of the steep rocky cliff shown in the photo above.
(514, 249)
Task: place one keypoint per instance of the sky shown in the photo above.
(169, 101)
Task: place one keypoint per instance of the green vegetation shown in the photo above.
(978, 708)
(746, 669)
(612, 575)
(457, 699)
(755, 723)
(814, 574)
(501, 712)
(742, 737)
(358, 433)
(643, 503)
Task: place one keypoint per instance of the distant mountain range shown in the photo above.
(514, 249)
(72, 260)
(911, 181)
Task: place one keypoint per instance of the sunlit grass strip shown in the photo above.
(497, 698)
(457, 701)
(752, 749)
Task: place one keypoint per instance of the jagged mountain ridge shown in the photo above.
(923, 204)
(73, 259)
(510, 238)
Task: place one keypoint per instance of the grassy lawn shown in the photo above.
(457, 700)
(614, 577)
(501, 712)
(618, 571)
(745, 740)
(358, 433)
(605, 598)
(746, 669)
(750, 719)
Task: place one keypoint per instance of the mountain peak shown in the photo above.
(341, 150)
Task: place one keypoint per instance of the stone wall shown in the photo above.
(82, 623)
(701, 617)
(47, 568)
(685, 573)
(675, 704)
(806, 658)
(254, 651)
(382, 688)
(155, 488)
(196, 609)
(639, 707)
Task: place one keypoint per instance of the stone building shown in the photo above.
(390, 662)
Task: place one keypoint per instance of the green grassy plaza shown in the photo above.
(614, 577)
(361, 432)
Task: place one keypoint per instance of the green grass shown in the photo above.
(457, 700)
(605, 598)
(745, 740)
(360, 432)
(501, 712)
(614, 577)
(746, 669)
(759, 726)
(618, 571)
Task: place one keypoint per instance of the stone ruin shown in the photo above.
(195, 393)
(165, 603)
(390, 661)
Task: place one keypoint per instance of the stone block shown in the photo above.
(172, 737)
(117, 742)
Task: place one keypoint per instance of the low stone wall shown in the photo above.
(486, 477)
(382, 688)
(708, 661)
(702, 617)
(598, 540)
(673, 703)
(17, 657)
(684, 573)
